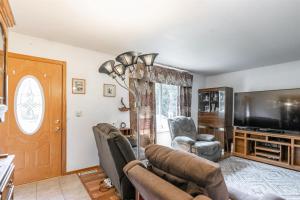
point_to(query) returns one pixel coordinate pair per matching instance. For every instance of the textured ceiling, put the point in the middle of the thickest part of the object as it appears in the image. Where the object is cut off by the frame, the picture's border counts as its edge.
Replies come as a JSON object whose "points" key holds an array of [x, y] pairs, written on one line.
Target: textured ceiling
{"points": [[206, 36]]}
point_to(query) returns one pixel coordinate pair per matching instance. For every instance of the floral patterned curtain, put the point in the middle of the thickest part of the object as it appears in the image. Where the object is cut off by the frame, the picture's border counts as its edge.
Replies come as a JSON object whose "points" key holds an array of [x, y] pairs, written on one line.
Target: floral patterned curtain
{"points": [[147, 111], [146, 89], [185, 101], [166, 76]]}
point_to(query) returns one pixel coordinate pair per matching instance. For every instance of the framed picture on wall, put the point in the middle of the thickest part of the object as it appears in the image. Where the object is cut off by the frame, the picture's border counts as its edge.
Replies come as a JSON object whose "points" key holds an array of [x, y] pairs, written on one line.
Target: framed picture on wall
{"points": [[109, 90], [78, 86]]}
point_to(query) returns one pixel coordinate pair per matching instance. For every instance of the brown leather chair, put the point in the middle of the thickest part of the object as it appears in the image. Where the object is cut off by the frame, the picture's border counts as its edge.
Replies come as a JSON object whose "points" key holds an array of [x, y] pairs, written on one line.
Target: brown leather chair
{"points": [[177, 175]]}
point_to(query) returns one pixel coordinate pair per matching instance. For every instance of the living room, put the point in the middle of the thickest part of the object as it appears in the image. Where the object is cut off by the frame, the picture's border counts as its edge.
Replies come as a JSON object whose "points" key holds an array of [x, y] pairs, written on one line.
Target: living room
{"points": [[229, 72]]}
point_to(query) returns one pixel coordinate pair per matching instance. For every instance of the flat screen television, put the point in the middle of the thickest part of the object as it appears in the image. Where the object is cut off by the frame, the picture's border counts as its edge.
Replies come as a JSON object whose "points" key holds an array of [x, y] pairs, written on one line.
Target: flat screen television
{"points": [[274, 109]]}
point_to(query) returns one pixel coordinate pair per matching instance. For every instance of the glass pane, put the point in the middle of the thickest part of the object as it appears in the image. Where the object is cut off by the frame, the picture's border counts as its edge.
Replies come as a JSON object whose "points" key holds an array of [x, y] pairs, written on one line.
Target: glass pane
{"points": [[29, 105], [222, 101], [214, 101], [204, 105], [166, 107]]}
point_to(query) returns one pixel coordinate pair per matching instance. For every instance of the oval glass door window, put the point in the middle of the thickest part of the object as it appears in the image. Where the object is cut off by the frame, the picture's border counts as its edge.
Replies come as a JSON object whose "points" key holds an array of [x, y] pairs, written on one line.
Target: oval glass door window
{"points": [[29, 105]]}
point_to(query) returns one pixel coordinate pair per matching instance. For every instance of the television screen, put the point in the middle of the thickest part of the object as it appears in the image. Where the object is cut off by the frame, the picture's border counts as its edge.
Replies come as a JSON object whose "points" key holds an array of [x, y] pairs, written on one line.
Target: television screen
{"points": [[275, 109]]}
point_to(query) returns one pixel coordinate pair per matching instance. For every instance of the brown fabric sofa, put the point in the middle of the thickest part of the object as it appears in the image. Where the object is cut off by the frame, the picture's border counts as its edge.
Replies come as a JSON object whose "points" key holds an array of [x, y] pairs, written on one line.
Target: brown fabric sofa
{"points": [[177, 175]]}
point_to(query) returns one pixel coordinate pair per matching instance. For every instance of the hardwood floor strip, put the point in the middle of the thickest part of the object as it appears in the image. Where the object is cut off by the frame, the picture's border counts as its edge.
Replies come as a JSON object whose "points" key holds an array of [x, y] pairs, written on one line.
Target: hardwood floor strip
{"points": [[91, 181]]}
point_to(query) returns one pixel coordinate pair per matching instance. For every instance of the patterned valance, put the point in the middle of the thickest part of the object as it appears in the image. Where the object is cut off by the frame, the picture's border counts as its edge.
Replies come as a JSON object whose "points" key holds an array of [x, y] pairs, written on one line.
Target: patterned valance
{"points": [[165, 76]]}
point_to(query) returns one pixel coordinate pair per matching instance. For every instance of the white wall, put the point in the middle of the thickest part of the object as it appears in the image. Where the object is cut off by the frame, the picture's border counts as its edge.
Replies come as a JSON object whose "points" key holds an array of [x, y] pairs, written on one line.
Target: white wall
{"points": [[81, 63], [281, 76]]}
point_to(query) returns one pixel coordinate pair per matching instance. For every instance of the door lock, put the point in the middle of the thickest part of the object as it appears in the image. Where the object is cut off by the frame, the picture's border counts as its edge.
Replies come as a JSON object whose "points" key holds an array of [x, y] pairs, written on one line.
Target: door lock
{"points": [[57, 129]]}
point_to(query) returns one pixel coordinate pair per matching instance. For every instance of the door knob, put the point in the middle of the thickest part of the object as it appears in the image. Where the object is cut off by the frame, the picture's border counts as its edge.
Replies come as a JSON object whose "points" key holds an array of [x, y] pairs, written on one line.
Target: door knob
{"points": [[57, 121]]}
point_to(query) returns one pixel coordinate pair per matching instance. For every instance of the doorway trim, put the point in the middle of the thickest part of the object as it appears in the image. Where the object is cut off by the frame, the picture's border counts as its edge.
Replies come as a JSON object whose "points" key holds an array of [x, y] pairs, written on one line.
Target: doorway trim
{"points": [[64, 102]]}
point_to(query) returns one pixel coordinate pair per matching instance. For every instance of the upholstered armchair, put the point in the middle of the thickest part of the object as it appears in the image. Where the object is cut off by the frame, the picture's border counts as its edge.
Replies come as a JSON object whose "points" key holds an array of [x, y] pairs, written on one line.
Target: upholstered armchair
{"points": [[185, 137]]}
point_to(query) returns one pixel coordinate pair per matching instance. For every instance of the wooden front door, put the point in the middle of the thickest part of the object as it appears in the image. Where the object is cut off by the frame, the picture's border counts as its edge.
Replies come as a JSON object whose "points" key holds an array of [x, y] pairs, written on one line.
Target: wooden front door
{"points": [[33, 127]]}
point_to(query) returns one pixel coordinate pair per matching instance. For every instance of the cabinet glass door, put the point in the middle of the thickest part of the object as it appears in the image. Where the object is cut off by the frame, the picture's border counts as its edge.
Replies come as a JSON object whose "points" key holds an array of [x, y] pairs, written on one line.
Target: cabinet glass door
{"points": [[204, 103], [222, 101]]}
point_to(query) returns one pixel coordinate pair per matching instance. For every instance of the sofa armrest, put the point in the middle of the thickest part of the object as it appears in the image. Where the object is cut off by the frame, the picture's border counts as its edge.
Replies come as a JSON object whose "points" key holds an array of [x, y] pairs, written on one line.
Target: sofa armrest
{"points": [[184, 139], [152, 187]]}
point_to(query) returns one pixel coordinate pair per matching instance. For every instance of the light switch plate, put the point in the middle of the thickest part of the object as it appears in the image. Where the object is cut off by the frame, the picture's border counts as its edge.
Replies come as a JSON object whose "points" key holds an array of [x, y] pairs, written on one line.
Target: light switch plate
{"points": [[78, 114]]}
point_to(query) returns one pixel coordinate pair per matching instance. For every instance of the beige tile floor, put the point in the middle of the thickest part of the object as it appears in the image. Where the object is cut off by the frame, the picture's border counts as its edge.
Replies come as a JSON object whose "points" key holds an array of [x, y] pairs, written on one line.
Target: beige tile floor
{"points": [[58, 188]]}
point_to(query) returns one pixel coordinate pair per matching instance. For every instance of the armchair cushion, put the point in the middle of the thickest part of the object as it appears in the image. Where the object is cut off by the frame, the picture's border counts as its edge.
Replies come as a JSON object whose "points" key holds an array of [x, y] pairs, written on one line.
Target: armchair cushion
{"points": [[205, 137], [209, 150], [182, 126]]}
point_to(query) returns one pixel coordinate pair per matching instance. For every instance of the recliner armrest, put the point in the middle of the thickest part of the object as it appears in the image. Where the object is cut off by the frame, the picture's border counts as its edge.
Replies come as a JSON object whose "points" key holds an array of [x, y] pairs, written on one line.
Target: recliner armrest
{"points": [[184, 139], [152, 187], [205, 137]]}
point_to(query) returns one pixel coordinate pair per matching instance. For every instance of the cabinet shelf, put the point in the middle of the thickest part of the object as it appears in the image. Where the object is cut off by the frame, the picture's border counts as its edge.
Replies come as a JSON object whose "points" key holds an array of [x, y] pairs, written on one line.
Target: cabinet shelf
{"points": [[267, 155], [270, 149]]}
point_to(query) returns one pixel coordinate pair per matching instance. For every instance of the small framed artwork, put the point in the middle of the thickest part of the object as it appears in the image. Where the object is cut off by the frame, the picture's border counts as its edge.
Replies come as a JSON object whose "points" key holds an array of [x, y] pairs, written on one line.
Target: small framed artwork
{"points": [[78, 86], [109, 90]]}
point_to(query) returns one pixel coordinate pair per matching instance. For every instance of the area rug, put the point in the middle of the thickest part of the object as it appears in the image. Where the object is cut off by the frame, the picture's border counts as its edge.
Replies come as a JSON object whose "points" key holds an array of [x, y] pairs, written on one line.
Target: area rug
{"points": [[258, 179], [91, 181]]}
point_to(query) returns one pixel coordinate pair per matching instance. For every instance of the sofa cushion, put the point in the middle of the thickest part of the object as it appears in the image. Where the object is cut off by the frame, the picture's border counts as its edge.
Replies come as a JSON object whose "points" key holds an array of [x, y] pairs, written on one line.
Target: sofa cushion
{"points": [[190, 167], [185, 185]]}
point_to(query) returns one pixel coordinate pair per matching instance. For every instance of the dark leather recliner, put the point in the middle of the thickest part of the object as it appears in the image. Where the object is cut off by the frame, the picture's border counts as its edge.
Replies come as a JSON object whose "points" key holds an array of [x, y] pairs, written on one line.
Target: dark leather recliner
{"points": [[115, 152]]}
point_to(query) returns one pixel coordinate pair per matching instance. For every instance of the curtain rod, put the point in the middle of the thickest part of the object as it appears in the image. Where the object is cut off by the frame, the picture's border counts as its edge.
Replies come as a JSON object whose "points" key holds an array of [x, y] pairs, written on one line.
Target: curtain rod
{"points": [[171, 67]]}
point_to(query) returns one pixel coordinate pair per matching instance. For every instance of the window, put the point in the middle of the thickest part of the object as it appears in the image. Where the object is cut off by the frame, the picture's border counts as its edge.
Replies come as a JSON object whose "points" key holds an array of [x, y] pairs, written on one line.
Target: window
{"points": [[29, 105], [166, 107]]}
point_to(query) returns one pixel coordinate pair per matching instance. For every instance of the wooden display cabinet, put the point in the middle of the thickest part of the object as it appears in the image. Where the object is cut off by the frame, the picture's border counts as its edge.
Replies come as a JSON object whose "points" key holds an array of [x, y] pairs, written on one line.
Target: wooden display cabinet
{"points": [[215, 114]]}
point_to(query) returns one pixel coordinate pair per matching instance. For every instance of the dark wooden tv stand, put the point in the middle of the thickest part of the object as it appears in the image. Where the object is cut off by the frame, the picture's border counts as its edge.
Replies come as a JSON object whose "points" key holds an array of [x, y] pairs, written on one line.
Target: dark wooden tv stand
{"points": [[272, 148]]}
